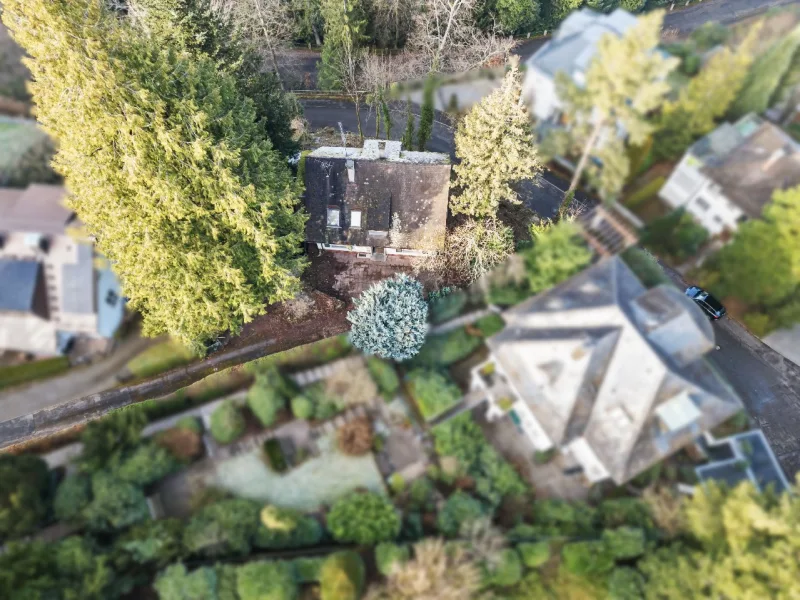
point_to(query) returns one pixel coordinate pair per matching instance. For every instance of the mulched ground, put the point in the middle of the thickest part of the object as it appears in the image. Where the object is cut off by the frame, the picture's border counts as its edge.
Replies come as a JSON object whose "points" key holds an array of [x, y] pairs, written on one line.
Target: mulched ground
{"points": [[312, 316]]}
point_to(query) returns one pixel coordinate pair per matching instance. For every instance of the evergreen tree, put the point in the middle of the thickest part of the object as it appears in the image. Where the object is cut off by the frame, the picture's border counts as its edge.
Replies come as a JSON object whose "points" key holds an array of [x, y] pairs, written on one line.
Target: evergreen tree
{"points": [[707, 97], [194, 26], [408, 134], [426, 114], [625, 82], [495, 144], [344, 32], [766, 74], [167, 168]]}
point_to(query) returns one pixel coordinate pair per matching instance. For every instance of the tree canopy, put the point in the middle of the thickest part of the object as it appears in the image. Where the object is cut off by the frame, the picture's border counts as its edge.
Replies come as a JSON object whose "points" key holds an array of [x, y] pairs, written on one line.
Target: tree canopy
{"points": [[166, 166], [495, 144]]}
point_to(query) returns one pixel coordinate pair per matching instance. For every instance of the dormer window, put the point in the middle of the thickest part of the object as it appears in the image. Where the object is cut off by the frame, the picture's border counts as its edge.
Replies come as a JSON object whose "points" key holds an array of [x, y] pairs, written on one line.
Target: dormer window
{"points": [[333, 217]]}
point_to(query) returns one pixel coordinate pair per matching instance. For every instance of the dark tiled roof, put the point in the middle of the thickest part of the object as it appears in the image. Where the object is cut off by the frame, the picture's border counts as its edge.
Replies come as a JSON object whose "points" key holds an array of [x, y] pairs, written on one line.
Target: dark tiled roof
{"points": [[412, 193], [18, 280], [750, 171]]}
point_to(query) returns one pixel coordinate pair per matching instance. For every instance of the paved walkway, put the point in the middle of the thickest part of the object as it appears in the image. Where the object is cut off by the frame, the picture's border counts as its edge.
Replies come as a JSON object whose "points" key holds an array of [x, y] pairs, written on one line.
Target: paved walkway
{"points": [[76, 383], [463, 320], [316, 374]]}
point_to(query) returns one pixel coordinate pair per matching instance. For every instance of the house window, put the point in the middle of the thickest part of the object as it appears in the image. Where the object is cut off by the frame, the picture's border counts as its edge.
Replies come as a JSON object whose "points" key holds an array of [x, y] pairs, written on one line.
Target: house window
{"points": [[333, 217], [355, 218], [702, 203], [111, 298]]}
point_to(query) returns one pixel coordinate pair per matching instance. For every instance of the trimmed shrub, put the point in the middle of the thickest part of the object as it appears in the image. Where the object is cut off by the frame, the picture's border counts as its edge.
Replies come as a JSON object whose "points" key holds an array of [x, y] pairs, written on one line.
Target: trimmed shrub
{"points": [[624, 542], [434, 392], [446, 305], [144, 465], [265, 402], [307, 531], [227, 423], [387, 555], [587, 559], [460, 508], [363, 518], [223, 528], [341, 577], [489, 325], [307, 570], [274, 454], [645, 266], [448, 348], [190, 423], [626, 584], [507, 571], [645, 192], [389, 319], [302, 407], [115, 504], [72, 496], [384, 375], [266, 580], [534, 554]]}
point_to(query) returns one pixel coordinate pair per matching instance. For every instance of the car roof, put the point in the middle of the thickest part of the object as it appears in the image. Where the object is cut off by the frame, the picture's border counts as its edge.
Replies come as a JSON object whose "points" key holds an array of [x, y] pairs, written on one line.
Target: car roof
{"points": [[713, 302]]}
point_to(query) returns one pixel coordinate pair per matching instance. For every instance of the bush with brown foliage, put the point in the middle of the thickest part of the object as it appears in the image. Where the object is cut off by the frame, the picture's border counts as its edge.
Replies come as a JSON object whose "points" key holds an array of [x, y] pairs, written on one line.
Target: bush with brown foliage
{"points": [[355, 437], [184, 444], [439, 571]]}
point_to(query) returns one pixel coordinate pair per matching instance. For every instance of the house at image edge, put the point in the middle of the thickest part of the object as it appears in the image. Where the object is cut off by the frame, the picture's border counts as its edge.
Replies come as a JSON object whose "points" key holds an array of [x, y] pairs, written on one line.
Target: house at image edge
{"points": [[610, 373], [570, 51], [377, 200], [729, 175], [52, 288]]}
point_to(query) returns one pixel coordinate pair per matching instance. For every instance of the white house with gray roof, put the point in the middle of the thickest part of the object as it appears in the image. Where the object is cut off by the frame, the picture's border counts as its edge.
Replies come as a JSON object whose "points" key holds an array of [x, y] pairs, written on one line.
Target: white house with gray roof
{"points": [[730, 174], [53, 288], [570, 51], [610, 373]]}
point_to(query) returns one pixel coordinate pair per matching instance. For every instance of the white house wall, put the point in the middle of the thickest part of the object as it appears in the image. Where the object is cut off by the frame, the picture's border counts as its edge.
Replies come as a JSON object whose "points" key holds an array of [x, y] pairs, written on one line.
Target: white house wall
{"points": [[531, 427], [540, 92], [702, 198]]}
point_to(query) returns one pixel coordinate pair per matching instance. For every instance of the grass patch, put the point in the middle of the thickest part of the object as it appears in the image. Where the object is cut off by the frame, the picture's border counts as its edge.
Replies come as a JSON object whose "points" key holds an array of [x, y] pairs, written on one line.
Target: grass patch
{"points": [[159, 358], [434, 392], [384, 375], [489, 325], [445, 349], [645, 192], [32, 371]]}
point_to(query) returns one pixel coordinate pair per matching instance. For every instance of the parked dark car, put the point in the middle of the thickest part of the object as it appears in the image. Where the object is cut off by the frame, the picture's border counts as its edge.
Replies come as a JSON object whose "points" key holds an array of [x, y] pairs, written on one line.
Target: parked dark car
{"points": [[712, 307]]}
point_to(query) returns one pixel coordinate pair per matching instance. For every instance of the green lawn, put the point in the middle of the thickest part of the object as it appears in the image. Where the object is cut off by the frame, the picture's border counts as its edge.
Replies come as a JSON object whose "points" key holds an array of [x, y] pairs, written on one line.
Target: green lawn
{"points": [[159, 358], [32, 371], [318, 481], [433, 391]]}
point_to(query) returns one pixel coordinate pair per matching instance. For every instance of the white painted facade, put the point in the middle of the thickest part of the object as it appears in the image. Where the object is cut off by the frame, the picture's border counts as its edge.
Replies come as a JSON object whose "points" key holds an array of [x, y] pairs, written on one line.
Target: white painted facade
{"points": [[688, 187], [539, 91]]}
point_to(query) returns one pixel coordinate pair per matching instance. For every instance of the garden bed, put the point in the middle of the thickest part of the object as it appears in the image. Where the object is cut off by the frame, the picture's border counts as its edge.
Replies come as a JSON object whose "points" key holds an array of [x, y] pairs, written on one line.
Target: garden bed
{"points": [[317, 482]]}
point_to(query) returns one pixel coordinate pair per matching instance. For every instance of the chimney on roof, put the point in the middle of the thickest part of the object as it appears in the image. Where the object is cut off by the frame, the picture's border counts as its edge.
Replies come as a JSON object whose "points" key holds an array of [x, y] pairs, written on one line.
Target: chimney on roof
{"points": [[393, 149], [372, 149]]}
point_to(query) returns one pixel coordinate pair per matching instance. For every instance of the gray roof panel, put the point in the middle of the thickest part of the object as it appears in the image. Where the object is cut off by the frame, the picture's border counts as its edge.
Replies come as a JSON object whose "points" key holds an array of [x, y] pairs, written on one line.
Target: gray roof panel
{"points": [[18, 284]]}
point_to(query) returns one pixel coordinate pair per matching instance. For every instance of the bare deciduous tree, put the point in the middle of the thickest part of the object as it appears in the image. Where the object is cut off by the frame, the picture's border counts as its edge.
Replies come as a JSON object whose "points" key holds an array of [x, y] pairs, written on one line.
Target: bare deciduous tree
{"points": [[392, 21], [446, 35], [377, 74], [267, 24]]}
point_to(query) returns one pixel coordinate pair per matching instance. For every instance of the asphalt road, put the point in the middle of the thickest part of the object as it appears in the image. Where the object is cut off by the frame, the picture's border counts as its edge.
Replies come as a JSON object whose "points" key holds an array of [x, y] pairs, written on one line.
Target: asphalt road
{"points": [[767, 383]]}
